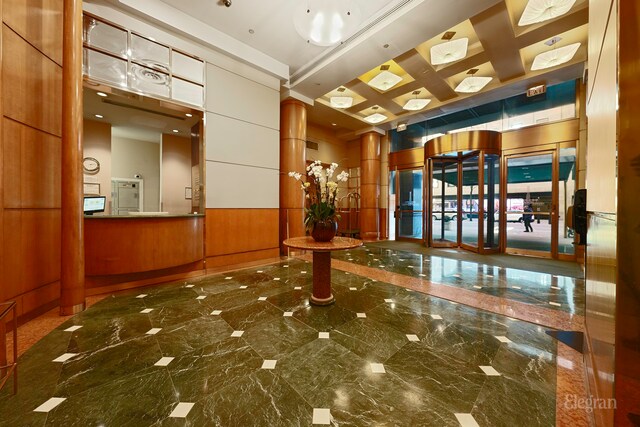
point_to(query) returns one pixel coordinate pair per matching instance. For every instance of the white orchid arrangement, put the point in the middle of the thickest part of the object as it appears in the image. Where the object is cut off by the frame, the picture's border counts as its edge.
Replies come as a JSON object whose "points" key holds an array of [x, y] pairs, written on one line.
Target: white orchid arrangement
{"points": [[320, 192]]}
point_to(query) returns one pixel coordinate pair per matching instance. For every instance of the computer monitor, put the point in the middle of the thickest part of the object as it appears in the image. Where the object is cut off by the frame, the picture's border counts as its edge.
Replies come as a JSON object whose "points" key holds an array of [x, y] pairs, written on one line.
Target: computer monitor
{"points": [[94, 204]]}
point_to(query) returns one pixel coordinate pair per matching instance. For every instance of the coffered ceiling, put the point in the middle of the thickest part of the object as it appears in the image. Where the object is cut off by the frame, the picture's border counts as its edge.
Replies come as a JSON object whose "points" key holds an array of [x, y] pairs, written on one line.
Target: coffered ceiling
{"points": [[395, 36]]}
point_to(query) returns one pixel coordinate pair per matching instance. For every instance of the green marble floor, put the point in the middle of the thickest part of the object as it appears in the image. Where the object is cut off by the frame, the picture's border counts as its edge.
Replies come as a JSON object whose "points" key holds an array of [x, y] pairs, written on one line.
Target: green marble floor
{"points": [[247, 349], [556, 292]]}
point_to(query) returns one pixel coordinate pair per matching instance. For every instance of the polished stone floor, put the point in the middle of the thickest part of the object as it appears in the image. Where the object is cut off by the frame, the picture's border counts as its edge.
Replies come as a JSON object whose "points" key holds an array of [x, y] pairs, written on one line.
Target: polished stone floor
{"points": [[546, 290], [247, 349]]}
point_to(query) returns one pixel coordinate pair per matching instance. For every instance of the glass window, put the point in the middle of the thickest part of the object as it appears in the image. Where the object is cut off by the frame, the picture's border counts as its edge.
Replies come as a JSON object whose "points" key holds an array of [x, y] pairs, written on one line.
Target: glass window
{"points": [[567, 188]]}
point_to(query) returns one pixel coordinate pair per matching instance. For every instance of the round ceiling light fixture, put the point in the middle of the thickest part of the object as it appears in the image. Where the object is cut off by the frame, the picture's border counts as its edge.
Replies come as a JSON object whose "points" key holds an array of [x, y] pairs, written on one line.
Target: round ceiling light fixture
{"points": [[326, 22]]}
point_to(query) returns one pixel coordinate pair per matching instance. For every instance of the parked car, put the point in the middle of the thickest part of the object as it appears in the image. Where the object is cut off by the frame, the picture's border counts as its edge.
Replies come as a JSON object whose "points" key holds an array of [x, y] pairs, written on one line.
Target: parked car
{"points": [[512, 216]]}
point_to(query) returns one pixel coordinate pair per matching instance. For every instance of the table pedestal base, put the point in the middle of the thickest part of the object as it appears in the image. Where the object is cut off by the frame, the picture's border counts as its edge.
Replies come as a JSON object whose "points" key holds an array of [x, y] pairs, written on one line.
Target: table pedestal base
{"points": [[322, 279]]}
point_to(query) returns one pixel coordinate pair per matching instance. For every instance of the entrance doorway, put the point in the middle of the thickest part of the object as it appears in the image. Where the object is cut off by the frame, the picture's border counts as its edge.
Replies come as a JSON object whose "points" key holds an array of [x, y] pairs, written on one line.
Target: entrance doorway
{"points": [[464, 202], [409, 207]]}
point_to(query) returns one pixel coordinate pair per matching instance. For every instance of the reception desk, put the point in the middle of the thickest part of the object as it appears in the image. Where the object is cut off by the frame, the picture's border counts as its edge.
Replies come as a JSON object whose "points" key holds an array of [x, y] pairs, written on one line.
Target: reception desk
{"points": [[128, 251]]}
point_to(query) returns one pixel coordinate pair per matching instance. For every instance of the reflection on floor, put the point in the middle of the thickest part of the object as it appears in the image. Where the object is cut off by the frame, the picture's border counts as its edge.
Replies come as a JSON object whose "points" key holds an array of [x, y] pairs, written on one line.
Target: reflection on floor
{"points": [[552, 291]]}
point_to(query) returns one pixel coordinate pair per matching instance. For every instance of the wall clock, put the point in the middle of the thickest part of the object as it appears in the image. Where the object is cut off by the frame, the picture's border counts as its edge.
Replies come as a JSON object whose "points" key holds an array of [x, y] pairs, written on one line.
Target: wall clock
{"points": [[90, 165]]}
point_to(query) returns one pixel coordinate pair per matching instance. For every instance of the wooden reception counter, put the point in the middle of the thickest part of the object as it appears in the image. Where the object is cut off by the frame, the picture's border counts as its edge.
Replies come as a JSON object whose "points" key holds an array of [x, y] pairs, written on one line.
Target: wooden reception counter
{"points": [[127, 251]]}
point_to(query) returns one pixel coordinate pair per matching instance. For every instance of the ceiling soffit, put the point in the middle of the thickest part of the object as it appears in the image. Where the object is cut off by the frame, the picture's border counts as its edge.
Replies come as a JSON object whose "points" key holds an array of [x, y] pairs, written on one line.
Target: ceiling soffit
{"points": [[495, 32]]}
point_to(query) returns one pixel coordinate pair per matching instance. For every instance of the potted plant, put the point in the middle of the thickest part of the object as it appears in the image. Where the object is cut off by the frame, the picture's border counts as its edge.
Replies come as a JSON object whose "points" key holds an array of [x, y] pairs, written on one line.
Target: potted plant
{"points": [[321, 218]]}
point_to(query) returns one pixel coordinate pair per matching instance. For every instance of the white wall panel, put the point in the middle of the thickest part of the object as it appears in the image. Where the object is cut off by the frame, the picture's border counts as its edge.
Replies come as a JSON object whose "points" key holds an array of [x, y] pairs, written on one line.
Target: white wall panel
{"points": [[231, 95], [234, 141], [234, 186]]}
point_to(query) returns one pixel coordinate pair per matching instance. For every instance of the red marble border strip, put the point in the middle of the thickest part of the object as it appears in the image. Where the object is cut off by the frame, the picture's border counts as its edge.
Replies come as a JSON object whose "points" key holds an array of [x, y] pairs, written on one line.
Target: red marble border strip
{"points": [[571, 391], [503, 306]]}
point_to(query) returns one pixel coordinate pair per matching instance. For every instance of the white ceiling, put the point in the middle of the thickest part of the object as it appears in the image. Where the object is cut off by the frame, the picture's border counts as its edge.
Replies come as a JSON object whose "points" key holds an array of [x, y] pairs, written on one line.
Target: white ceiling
{"points": [[272, 23]]}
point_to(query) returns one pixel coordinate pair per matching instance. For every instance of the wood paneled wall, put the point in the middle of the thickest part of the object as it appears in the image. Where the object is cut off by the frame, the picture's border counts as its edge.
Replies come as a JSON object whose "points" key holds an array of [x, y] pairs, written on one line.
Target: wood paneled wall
{"points": [[30, 94], [234, 236]]}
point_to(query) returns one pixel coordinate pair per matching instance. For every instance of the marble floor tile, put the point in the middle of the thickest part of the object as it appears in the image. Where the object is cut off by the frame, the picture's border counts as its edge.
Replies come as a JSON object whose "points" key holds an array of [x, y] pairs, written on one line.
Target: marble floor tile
{"points": [[249, 315], [261, 398], [324, 318], [213, 367], [369, 339], [277, 337], [128, 401], [89, 370], [189, 336]]}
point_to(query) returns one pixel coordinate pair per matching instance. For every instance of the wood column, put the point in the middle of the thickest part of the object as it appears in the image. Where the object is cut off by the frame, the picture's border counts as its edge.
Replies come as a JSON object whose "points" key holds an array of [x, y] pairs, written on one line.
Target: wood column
{"points": [[293, 136], [72, 296], [369, 185]]}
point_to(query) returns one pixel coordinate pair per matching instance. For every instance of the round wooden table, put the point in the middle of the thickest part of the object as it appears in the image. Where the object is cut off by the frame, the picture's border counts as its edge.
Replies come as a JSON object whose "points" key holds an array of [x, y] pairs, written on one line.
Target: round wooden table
{"points": [[321, 294]]}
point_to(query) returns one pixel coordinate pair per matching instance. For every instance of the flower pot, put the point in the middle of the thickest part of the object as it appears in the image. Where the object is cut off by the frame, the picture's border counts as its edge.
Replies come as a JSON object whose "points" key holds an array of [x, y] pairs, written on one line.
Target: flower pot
{"points": [[324, 231]]}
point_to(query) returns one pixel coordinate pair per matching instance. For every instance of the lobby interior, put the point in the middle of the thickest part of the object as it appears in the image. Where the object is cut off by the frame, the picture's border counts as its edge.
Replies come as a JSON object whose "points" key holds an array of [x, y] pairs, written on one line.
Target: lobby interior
{"points": [[176, 302]]}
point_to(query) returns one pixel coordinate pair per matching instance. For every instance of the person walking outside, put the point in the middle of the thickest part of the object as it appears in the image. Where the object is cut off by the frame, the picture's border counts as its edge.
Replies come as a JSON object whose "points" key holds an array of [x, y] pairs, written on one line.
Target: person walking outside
{"points": [[528, 218]]}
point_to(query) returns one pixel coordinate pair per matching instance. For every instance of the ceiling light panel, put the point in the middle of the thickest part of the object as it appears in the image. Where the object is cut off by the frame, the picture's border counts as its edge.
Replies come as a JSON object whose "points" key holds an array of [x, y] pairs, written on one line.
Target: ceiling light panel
{"points": [[416, 104], [341, 101], [384, 81], [543, 10], [473, 84], [452, 51], [375, 118], [554, 57]]}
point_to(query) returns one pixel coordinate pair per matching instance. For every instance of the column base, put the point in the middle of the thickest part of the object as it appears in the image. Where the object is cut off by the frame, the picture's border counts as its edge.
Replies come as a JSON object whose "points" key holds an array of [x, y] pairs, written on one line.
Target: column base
{"points": [[322, 301], [74, 309]]}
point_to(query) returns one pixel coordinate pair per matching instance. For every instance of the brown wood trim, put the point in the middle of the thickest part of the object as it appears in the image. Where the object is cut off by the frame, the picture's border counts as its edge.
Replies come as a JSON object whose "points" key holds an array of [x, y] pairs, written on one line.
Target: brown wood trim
{"points": [[242, 257], [487, 140], [406, 159], [109, 284], [116, 246], [244, 265], [231, 231], [566, 130]]}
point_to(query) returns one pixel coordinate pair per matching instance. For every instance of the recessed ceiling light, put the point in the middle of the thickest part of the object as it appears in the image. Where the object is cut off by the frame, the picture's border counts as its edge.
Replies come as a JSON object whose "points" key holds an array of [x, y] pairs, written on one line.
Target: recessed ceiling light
{"points": [[101, 94], [376, 118], [188, 114], [251, 31], [341, 101], [99, 116], [176, 131], [554, 57], [452, 51], [473, 84], [543, 10], [385, 80], [416, 104]]}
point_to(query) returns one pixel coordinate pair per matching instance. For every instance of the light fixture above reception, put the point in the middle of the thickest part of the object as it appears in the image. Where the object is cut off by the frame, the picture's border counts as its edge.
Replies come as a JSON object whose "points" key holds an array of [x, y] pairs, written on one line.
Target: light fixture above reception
{"points": [[451, 51], [473, 84], [341, 101], [554, 57], [375, 118], [543, 10]]}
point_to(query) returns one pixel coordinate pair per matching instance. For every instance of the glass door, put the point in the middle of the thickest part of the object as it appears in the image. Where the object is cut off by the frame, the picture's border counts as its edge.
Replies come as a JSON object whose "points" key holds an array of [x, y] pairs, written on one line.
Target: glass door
{"points": [[444, 202], [472, 217], [409, 208], [529, 211]]}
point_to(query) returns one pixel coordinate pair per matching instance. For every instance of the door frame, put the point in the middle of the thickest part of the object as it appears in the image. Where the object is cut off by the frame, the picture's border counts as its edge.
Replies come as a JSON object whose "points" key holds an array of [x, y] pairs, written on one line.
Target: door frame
{"points": [[553, 213], [397, 210]]}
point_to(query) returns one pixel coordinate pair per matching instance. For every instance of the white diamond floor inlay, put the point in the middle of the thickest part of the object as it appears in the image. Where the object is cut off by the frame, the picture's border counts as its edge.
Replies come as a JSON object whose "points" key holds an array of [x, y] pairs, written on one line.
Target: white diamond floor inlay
{"points": [[181, 410], [65, 357], [288, 313], [237, 334], [502, 338], [147, 311], [321, 416], [388, 300], [466, 420], [490, 371], [73, 328], [353, 289], [436, 317], [323, 335], [228, 278], [164, 361], [297, 288], [201, 297], [153, 331], [361, 315], [269, 364], [378, 368], [216, 312], [262, 299], [50, 404], [141, 296], [243, 287], [555, 304], [412, 337]]}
